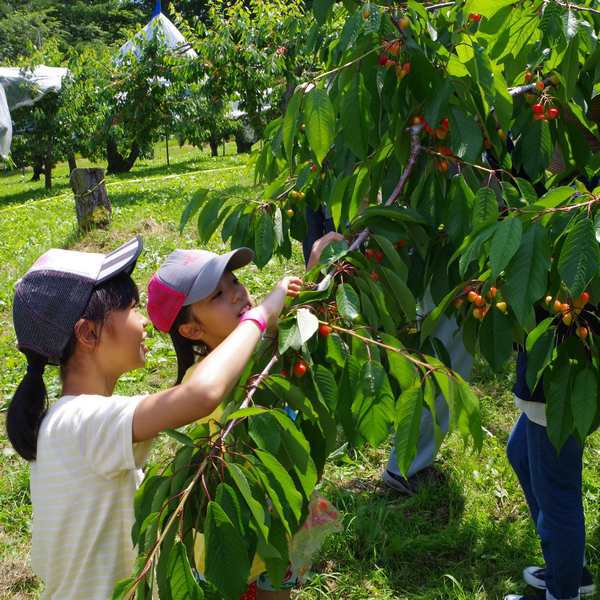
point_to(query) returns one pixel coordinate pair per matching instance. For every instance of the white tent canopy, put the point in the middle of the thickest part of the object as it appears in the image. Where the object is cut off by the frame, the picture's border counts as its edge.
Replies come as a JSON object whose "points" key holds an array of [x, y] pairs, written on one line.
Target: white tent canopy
{"points": [[24, 87], [161, 26]]}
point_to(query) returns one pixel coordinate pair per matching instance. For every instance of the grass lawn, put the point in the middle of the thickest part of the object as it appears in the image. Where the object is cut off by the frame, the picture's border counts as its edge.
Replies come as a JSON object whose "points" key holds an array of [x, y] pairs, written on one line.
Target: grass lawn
{"points": [[465, 534]]}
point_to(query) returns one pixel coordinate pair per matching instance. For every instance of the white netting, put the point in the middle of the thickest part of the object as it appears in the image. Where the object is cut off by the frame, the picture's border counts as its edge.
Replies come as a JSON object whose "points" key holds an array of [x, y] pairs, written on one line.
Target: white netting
{"points": [[5, 126], [23, 87]]}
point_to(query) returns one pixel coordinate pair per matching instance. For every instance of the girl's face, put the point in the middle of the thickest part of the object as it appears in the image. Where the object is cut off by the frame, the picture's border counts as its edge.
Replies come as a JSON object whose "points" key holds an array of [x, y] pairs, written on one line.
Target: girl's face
{"points": [[215, 317], [122, 346]]}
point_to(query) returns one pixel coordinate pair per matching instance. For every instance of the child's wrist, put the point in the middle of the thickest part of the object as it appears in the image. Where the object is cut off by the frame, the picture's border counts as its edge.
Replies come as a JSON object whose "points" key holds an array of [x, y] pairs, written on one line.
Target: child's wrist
{"points": [[257, 316]]}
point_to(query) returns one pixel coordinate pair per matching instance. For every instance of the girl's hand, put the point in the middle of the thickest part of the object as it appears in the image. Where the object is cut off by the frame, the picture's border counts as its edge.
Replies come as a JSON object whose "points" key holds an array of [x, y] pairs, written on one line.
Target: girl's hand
{"points": [[272, 305], [320, 245]]}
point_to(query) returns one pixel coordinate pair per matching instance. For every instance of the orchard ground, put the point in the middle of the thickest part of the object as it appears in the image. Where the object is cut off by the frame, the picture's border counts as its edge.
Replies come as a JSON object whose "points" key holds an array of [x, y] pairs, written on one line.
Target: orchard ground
{"points": [[465, 533]]}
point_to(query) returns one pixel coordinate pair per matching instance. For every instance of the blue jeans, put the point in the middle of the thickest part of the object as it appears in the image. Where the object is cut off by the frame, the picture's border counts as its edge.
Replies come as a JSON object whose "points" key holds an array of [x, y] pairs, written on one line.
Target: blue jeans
{"points": [[552, 486]]}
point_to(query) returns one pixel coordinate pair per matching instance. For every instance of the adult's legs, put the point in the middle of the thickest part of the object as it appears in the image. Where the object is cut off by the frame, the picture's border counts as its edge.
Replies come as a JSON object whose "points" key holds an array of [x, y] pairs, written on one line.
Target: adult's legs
{"points": [[518, 456], [450, 335], [556, 480]]}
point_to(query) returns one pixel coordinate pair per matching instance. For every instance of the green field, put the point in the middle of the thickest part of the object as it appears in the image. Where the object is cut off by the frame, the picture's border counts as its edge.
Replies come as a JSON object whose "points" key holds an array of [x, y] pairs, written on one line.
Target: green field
{"points": [[464, 534]]}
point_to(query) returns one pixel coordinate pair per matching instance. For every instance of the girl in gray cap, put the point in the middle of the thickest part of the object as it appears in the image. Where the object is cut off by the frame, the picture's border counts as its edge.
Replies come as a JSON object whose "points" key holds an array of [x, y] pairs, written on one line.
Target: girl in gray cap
{"points": [[79, 310]]}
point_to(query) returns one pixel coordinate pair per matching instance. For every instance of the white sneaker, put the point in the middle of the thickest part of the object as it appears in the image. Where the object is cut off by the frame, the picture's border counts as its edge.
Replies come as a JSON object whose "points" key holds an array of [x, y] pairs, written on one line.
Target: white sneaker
{"points": [[536, 578]]}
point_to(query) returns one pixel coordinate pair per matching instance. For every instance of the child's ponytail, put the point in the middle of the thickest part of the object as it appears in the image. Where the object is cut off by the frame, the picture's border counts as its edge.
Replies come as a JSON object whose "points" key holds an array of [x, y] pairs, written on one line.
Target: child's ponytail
{"points": [[28, 407]]}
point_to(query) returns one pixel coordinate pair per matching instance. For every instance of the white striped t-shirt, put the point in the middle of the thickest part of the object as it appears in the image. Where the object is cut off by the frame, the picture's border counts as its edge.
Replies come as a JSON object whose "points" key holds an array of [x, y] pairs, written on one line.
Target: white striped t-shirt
{"points": [[82, 487]]}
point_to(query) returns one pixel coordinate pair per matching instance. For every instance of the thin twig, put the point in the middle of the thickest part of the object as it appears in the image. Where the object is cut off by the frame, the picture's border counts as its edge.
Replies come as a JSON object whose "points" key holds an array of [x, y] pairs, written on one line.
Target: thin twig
{"points": [[571, 6]]}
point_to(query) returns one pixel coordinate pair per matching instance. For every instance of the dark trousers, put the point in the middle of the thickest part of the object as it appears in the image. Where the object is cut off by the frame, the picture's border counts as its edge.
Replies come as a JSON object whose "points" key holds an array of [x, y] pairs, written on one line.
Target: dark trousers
{"points": [[552, 484]]}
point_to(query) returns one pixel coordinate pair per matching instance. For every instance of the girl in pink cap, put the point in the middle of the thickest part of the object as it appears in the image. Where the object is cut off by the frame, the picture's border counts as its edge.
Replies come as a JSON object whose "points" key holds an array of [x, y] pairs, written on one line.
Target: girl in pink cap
{"points": [[196, 298]]}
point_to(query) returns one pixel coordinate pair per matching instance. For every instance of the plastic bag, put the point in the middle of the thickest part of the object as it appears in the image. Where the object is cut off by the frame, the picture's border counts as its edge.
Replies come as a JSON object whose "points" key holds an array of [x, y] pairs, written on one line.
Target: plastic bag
{"points": [[323, 520]]}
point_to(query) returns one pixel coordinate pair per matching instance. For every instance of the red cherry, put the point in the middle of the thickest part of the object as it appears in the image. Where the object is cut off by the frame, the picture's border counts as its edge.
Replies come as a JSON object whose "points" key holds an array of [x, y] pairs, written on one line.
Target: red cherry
{"points": [[383, 59], [584, 298], [538, 109], [539, 117], [313, 168], [324, 330], [539, 85], [528, 76], [419, 120], [300, 368], [379, 255], [284, 373], [445, 123], [370, 253], [400, 244], [374, 276], [553, 113], [476, 17], [406, 67]]}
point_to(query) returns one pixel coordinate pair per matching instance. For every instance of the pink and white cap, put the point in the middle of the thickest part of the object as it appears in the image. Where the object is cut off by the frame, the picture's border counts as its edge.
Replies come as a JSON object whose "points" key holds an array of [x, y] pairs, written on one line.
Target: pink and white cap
{"points": [[188, 276]]}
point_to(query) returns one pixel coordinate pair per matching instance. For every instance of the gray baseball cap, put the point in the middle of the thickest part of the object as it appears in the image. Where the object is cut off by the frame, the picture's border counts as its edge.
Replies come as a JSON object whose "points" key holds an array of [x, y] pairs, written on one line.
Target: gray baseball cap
{"points": [[188, 276], [51, 297]]}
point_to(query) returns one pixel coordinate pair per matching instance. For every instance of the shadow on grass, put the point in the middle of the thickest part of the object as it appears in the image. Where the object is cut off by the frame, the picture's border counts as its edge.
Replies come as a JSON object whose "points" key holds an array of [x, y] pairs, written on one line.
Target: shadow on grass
{"points": [[31, 194], [416, 541]]}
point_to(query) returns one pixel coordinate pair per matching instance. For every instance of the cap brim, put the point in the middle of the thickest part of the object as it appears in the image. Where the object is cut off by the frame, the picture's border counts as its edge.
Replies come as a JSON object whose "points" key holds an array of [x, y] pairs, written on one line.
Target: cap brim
{"points": [[208, 280], [121, 260]]}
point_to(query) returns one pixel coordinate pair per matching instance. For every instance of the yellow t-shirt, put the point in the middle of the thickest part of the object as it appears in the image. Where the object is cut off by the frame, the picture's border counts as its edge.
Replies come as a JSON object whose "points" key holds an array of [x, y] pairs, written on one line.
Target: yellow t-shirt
{"points": [[258, 565]]}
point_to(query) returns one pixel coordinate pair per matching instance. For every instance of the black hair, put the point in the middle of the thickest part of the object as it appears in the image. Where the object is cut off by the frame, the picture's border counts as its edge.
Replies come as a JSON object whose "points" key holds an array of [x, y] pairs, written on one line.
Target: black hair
{"points": [[30, 401], [186, 350]]}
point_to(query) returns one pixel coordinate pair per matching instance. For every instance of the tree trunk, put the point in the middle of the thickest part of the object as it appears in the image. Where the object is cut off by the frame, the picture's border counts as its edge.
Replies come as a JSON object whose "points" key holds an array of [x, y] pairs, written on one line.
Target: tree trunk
{"points": [[91, 199], [117, 163], [38, 169], [72, 163], [214, 146], [48, 173]]}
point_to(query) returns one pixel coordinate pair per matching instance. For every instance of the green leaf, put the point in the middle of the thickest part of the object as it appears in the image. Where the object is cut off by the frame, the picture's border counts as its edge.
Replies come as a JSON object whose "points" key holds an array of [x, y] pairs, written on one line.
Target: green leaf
{"points": [[180, 437], [400, 368], [557, 390], [373, 404], [327, 385], [505, 243], [579, 257], [319, 117], [263, 240], [256, 507], [539, 354], [584, 401], [225, 547], [392, 255], [192, 208], [408, 419], [536, 149], [526, 275], [485, 208], [347, 301], [298, 451], [283, 482], [336, 351], [470, 249], [208, 218], [321, 9], [496, 339], [288, 393], [289, 128], [486, 8], [468, 144], [354, 115], [402, 294]]}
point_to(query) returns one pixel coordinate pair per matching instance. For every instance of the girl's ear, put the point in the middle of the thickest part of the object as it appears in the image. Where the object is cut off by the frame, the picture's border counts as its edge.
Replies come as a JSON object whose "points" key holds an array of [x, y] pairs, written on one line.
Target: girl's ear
{"points": [[192, 330], [87, 333]]}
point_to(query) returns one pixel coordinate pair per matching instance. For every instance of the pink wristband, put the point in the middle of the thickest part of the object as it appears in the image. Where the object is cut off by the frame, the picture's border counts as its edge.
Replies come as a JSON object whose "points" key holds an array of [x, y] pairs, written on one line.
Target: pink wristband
{"points": [[256, 316]]}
